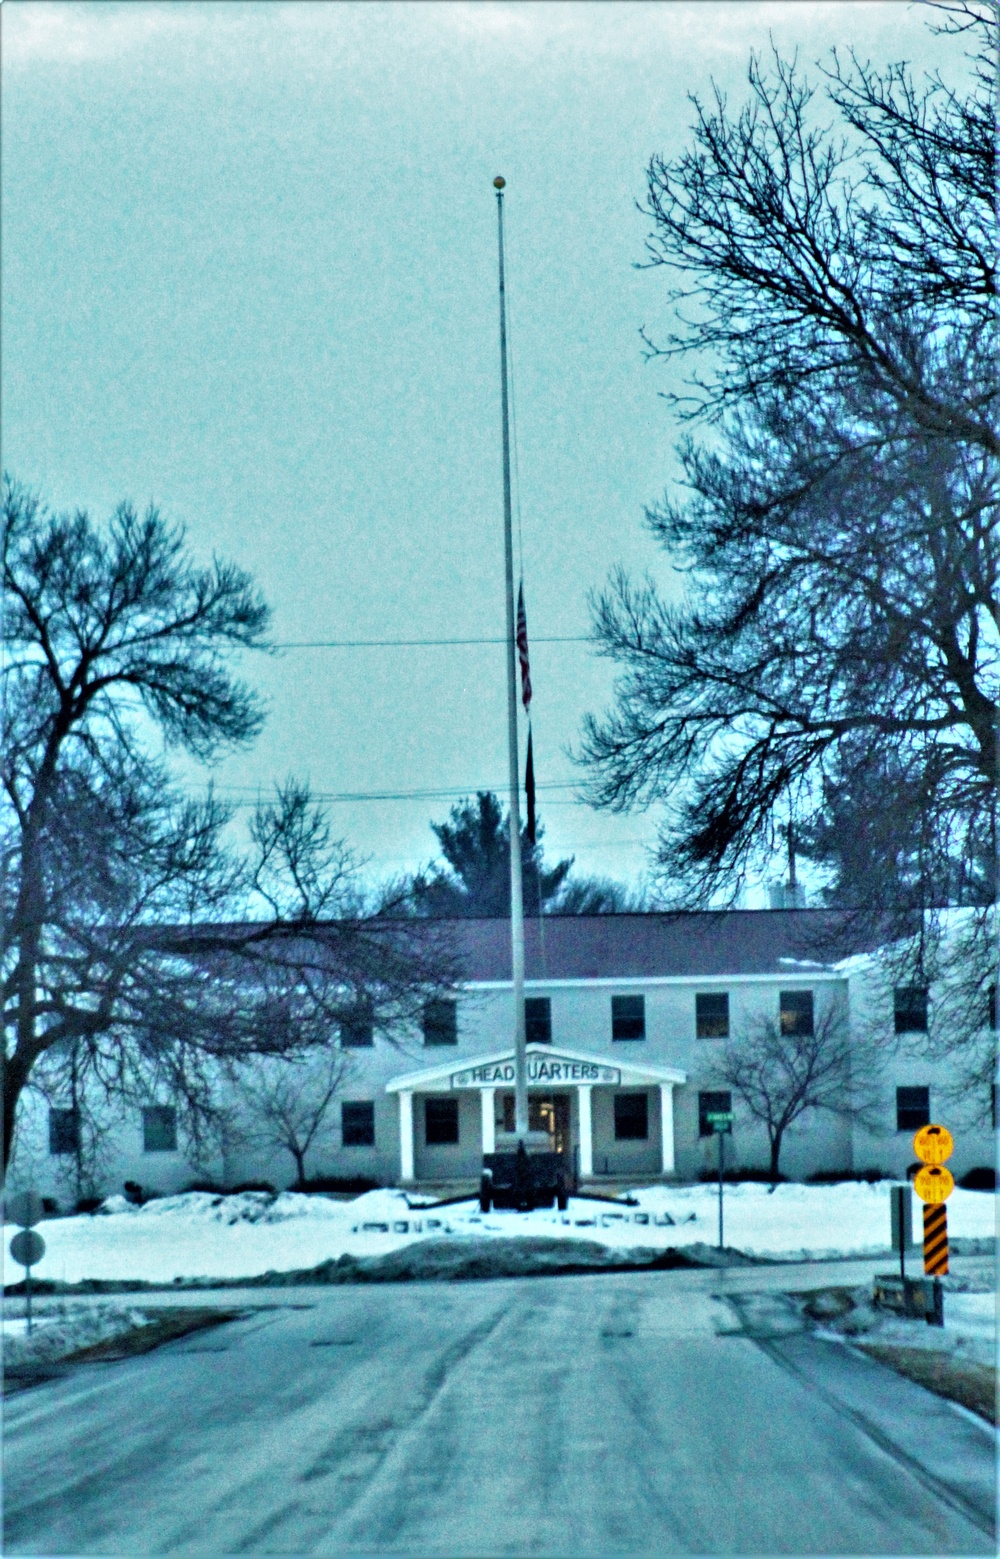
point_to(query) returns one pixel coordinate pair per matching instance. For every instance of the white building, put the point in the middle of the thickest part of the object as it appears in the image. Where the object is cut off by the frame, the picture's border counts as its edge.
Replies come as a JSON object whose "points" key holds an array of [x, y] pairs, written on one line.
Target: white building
{"points": [[627, 1017]]}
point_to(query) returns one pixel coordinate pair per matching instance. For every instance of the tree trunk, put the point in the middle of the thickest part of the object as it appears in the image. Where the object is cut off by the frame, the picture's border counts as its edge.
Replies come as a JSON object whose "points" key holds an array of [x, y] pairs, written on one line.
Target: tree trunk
{"points": [[15, 1075], [775, 1154], [300, 1163]]}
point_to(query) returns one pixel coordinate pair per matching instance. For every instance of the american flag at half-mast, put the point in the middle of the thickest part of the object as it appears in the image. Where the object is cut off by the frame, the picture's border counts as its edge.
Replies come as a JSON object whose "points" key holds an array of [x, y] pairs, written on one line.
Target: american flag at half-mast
{"points": [[522, 647], [529, 791]]}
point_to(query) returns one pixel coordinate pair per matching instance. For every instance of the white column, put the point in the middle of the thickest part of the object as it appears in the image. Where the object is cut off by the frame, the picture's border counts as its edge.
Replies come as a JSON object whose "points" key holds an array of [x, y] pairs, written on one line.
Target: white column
{"points": [[583, 1093], [486, 1096], [667, 1127], [406, 1135]]}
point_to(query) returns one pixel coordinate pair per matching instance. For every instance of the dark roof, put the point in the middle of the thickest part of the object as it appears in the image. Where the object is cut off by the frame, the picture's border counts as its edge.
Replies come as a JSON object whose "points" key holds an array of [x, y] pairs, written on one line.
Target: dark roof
{"points": [[701, 943]]}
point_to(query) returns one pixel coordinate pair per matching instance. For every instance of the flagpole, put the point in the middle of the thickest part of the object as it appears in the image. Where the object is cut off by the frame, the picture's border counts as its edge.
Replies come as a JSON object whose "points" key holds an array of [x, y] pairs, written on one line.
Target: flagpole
{"points": [[516, 887]]}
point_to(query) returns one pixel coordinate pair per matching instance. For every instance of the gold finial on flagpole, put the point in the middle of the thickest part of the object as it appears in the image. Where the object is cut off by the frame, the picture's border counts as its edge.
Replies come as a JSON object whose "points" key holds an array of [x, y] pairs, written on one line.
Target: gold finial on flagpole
{"points": [[498, 182]]}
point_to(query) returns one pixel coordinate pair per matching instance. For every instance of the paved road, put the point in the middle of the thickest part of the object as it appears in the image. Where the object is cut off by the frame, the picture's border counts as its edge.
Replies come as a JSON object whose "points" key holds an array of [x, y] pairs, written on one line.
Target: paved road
{"points": [[614, 1413]]}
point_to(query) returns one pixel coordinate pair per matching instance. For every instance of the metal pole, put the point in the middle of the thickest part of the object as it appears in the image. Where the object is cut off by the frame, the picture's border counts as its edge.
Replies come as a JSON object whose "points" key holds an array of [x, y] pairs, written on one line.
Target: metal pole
{"points": [[27, 1295], [722, 1160], [516, 889]]}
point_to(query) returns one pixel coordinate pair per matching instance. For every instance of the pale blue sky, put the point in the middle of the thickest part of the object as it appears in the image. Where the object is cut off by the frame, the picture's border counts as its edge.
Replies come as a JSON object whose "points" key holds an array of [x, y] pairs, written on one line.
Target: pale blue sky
{"points": [[250, 273]]}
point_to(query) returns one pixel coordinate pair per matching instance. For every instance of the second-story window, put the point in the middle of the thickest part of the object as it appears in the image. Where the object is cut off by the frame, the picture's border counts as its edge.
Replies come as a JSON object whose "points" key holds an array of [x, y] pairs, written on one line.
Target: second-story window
{"points": [[628, 1017], [441, 1022], [909, 1009], [357, 1030], [711, 1011], [796, 1012], [538, 1020]]}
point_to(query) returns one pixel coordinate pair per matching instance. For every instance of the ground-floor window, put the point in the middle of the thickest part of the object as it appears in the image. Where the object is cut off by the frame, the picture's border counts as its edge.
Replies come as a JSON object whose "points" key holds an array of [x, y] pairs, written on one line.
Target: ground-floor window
{"points": [[631, 1117], [913, 1108], [357, 1123], [440, 1121], [159, 1129], [717, 1102], [64, 1131]]}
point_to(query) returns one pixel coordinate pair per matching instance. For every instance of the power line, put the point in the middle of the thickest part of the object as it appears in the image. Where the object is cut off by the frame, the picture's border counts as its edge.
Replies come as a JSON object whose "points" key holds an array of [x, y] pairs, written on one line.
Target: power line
{"points": [[369, 644], [440, 794]]}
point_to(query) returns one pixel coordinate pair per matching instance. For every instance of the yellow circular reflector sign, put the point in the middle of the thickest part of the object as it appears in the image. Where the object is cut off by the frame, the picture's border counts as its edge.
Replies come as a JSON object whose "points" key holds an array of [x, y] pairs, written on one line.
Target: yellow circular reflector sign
{"points": [[934, 1183], [933, 1144]]}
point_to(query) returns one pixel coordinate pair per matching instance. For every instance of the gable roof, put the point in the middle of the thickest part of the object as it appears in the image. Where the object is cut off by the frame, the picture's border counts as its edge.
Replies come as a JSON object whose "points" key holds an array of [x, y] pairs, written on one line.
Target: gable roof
{"points": [[709, 944]]}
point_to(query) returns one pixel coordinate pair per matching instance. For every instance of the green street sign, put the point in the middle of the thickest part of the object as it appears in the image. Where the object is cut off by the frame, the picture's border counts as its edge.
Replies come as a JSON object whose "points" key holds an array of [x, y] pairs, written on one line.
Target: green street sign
{"points": [[719, 1122]]}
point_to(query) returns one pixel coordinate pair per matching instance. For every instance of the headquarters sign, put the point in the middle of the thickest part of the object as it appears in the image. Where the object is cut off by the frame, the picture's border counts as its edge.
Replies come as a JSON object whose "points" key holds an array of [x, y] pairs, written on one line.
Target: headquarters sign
{"points": [[541, 1070]]}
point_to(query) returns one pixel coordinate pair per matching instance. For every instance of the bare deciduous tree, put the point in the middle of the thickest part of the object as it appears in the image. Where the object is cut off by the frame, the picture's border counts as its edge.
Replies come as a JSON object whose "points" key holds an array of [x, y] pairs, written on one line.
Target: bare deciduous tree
{"points": [[134, 935], [286, 1103], [781, 1073]]}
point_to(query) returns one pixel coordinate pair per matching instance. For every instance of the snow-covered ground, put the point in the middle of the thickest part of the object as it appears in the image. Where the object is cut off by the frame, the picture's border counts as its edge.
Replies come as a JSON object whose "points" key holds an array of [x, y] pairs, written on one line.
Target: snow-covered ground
{"points": [[66, 1328], [199, 1235]]}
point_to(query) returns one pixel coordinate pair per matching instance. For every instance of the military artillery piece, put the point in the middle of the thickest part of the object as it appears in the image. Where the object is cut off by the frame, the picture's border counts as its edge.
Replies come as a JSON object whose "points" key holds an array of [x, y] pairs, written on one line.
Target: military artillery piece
{"points": [[523, 1181]]}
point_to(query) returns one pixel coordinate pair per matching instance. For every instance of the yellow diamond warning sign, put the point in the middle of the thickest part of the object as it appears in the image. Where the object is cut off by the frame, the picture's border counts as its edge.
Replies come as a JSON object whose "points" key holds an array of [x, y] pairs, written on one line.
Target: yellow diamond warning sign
{"points": [[934, 1183], [933, 1144]]}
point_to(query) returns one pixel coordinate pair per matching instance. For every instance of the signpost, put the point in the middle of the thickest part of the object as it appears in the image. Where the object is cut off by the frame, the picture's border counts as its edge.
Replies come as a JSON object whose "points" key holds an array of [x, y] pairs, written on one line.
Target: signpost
{"points": [[721, 1122], [902, 1223], [27, 1247], [934, 1184]]}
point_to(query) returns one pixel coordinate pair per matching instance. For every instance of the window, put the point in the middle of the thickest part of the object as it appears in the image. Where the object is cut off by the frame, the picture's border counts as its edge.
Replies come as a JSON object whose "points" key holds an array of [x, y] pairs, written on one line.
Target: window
{"points": [[441, 1022], [796, 1012], [440, 1120], [64, 1131], [631, 1116], [538, 1020], [718, 1103], [357, 1123], [159, 1129], [910, 1009], [628, 1017], [711, 1012], [913, 1108], [357, 1030]]}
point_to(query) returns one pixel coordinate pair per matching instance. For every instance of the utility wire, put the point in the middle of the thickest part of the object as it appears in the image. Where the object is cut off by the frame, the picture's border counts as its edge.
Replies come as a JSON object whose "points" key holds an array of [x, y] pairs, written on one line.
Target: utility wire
{"points": [[358, 644]]}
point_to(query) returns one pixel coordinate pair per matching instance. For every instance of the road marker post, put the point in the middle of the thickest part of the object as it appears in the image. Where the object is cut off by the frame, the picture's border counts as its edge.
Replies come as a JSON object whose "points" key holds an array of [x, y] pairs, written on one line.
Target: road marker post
{"points": [[27, 1247], [721, 1122], [901, 1223], [934, 1184]]}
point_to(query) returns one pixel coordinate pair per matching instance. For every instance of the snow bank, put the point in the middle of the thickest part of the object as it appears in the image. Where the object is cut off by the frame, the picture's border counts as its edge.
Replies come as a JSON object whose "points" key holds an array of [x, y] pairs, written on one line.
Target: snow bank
{"points": [[67, 1330], [200, 1235]]}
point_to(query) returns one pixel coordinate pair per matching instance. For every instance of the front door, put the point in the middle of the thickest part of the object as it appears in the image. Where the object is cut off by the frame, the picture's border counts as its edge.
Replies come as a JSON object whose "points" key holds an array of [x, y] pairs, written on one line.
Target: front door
{"points": [[546, 1112]]}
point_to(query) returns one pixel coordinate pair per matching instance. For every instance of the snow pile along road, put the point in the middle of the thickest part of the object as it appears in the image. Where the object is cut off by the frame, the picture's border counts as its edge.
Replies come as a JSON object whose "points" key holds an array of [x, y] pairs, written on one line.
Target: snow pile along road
{"points": [[66, 1330], [199, 1235]]}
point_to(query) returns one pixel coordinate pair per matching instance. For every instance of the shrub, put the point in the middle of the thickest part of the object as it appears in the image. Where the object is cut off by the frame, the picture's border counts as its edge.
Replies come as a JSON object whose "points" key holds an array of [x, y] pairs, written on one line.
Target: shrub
{"points": [[252, 1185], [837, 1176], [979, 1179], [88, 1204], [744, 1172], [353, 1184]]}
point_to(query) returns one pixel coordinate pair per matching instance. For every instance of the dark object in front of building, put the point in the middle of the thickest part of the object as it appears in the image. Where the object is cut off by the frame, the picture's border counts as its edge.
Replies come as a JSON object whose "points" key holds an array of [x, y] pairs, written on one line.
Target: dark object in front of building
{"points": [[523, 1181]]}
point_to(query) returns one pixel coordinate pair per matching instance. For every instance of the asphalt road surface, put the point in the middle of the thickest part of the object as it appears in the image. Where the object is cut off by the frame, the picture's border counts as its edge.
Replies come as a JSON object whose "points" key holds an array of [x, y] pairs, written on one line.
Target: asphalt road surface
{"points": [[613, 1413]]}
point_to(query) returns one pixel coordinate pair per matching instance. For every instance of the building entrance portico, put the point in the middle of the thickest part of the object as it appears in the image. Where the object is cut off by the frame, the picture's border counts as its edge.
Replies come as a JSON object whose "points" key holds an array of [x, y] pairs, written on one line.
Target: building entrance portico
{"points": [[548, 1112], [562, 1084]]}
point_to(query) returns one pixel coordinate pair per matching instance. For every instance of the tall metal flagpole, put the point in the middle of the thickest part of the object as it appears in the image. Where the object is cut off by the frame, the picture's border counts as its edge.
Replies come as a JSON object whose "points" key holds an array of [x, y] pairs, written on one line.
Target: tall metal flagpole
{"points": [[516, 889]]}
